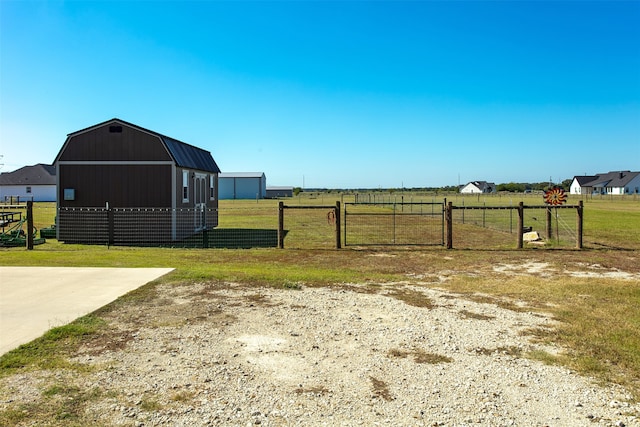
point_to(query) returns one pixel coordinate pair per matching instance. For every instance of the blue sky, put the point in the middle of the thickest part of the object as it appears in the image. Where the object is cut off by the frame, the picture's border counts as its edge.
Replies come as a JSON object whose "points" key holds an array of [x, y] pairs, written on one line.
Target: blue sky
{"points": [[353, 94]]}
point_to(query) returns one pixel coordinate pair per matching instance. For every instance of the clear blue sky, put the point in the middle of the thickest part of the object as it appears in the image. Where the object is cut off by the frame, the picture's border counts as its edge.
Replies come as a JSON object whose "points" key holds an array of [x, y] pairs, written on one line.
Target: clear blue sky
{"points": [[338, 94]]}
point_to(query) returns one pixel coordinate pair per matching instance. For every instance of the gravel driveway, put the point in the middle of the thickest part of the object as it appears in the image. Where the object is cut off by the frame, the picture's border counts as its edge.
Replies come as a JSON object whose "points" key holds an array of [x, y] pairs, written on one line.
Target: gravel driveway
{"points": [[226, 354]]}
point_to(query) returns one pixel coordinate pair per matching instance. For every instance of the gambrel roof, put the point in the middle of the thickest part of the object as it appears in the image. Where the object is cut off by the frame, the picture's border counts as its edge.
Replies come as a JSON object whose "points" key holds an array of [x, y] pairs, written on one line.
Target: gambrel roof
{"points": [[184, 155], [39, 174]]}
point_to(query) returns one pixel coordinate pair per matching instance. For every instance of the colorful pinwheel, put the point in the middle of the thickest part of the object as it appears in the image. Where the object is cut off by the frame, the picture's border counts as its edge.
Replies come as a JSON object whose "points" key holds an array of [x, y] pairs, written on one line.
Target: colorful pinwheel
{"points": [[555, 196]]}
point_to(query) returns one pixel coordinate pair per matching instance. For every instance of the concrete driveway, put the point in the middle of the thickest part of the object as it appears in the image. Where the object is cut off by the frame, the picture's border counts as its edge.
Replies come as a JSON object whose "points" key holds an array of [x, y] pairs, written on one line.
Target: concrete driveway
{"points": [[36, 299]]}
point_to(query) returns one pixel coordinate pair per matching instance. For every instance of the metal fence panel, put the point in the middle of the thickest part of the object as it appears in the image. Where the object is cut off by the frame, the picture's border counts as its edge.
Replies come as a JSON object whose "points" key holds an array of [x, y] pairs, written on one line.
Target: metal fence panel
{"points": [[193, 227], [309, 228], [393, 224], [83, 225], [491, 227]]}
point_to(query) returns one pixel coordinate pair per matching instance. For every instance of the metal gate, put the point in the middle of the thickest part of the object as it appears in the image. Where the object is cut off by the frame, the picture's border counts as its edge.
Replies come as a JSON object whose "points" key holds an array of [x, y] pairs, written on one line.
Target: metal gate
{"points": [[394, 224]]}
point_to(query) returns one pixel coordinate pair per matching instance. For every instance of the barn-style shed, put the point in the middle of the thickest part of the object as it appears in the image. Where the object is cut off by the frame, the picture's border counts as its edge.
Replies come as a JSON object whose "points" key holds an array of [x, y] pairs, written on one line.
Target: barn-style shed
{"points": [[150, 187]]}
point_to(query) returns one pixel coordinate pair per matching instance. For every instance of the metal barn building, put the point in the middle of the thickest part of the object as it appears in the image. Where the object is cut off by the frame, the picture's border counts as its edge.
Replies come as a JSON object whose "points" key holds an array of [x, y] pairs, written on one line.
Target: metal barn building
{"points": [[148, 185], [242, 185], [276, 192]]}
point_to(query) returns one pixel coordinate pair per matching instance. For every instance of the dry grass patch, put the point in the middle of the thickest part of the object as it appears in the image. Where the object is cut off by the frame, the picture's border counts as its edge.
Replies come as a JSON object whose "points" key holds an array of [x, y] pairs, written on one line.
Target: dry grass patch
{"points": [[411, 297], [509, 351], [317, 390], [420, 356], [471, 315], [381, 389], [183, 396]]}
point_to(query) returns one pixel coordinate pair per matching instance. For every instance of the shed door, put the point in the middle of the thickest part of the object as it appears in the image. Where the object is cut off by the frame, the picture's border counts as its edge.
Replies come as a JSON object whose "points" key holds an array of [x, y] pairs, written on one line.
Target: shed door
{"points": [[200, 201]]}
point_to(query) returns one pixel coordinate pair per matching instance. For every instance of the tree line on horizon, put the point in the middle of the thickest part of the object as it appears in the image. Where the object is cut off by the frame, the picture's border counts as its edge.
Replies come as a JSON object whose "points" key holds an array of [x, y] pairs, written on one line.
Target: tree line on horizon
{"points": [[511, 187]]}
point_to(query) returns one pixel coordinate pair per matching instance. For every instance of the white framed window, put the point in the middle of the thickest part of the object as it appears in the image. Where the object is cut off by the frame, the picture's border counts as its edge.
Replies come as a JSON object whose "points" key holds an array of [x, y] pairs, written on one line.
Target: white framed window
{"points": [[212, 188], [185, 185]]}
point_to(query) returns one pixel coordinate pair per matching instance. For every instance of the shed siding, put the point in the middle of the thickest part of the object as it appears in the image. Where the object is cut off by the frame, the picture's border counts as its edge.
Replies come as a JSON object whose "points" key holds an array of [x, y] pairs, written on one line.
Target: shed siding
{"points": [[120, 185], [100, 144]]}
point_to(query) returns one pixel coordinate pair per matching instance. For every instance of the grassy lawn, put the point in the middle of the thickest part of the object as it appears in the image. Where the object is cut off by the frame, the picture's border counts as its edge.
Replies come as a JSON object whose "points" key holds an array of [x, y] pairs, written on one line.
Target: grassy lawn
{"points": [[598, 315]]}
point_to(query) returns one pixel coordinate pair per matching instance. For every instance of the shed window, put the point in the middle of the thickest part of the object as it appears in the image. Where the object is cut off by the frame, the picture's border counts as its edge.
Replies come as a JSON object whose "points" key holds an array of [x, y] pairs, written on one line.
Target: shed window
{"points": [[185, 186], [115, 129], [28, 190], [212, 190]]}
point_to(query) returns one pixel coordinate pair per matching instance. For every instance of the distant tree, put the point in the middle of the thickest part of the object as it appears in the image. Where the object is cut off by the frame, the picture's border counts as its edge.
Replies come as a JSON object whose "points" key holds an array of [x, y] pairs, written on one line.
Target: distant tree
{"points": [[297, 190], [450, 189], [512, 187], [540, 186]]}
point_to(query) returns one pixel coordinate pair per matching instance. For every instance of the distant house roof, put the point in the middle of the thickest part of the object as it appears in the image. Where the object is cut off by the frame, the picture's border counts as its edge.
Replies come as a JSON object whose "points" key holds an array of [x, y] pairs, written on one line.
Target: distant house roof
{"points": [[584, 179], [39, 174], [241, 174], [183, 154], [483, 185], [611, 179]]}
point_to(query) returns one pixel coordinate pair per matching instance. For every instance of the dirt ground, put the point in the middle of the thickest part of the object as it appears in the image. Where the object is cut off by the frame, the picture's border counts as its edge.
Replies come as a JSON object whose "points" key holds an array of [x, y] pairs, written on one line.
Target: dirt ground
{"points": [[219, 353]]}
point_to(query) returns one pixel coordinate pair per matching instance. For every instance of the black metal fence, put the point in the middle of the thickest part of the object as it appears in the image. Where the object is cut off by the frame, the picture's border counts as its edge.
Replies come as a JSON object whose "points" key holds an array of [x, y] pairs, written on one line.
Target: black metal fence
{"points": [[133, 226]]}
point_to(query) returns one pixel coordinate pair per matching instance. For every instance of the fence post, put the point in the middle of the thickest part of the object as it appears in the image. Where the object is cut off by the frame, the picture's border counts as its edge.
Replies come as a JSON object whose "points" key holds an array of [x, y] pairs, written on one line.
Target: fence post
{"points": [[549, 224], [205, 238], [449, 224], [110, 225], [580, 219], [484, 215], [394, 222], [520, 224], [280, 225], [29, 225], [337, 215]]}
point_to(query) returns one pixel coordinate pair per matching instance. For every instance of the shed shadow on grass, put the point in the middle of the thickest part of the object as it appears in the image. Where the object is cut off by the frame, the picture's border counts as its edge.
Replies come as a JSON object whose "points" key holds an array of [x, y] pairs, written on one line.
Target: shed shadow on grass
{"points": [[236, 238]]}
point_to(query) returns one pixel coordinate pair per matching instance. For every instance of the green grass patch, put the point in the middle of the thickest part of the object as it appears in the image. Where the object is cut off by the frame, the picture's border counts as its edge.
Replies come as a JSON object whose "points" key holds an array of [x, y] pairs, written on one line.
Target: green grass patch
{"points": [[51, 351]]}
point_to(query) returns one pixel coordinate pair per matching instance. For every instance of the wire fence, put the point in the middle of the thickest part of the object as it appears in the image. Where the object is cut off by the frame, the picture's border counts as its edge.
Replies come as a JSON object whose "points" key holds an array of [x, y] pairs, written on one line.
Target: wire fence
{"points": [[491, 227], [309, 227], [393, 224], [255, 225]]}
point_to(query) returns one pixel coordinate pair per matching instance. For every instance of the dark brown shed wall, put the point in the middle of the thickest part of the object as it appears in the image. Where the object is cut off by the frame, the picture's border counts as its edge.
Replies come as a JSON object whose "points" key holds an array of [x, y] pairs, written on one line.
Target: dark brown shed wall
{"points": [[100, 144], [120, 185]]}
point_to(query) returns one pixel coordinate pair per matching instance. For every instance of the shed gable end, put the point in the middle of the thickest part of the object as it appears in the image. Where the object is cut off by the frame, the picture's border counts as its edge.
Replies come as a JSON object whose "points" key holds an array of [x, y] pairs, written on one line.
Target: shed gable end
{"points": [[113, 142]]}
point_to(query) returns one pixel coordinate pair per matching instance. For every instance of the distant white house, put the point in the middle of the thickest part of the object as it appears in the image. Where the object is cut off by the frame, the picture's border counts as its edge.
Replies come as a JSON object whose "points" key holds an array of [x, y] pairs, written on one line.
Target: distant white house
{"points": [[613, 183], [577, 185], [242, 185], [478, 187], [36, 183]]}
